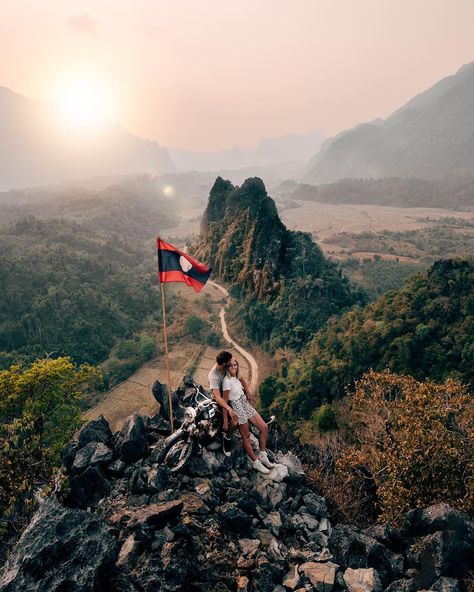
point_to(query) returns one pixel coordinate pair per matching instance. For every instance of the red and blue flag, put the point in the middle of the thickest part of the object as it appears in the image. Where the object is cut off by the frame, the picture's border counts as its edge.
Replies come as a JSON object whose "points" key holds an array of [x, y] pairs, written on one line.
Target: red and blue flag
{"points": [[176, 266]]}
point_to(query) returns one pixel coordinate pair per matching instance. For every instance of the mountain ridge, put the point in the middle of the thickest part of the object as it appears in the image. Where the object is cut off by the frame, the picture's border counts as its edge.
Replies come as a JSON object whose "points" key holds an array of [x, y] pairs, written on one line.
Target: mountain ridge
{"points": [[285, 285], [429, 136]]}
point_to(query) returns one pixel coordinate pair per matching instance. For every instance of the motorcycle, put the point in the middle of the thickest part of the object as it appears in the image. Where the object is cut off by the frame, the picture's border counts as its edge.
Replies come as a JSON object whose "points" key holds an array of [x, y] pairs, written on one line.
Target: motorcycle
{"points": [[202, 422]]}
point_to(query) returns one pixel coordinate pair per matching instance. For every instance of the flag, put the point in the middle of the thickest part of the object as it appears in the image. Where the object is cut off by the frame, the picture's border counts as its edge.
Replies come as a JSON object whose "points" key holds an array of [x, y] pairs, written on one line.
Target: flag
{"points": [[176, 266]]}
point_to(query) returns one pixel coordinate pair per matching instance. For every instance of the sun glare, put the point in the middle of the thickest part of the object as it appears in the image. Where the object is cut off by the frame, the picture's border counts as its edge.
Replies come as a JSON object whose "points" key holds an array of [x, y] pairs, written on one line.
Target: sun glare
{"points": [[82, 104]]}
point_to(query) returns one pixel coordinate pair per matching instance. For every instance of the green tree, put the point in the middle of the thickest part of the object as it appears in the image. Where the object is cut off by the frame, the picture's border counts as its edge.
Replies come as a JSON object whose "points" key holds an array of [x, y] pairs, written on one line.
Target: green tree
{"points": [[324, 418], [39, 412], [147, 346], [195, 326], [270, 387]]}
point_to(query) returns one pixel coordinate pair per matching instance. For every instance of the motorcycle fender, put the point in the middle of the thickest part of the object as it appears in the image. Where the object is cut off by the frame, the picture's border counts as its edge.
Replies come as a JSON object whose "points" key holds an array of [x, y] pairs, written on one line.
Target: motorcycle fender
{"points": [[176, 436]]}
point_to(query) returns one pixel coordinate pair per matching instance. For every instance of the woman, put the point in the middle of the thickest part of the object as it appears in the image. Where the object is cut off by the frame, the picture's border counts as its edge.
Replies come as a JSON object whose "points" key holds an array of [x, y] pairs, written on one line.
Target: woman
{"points": [[235, 390]]}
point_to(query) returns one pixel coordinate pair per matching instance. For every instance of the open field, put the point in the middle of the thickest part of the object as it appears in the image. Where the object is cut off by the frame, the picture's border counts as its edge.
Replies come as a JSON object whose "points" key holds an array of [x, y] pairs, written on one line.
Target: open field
{"points": [[326, 220]]}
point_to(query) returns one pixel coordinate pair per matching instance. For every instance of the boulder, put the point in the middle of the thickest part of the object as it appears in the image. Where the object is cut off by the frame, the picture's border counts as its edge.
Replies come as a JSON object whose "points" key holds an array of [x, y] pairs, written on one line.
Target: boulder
{"points": [[309, 521], [128, 552], [131, 442], [446, 585], [292, 578], [277, 474], [315, 505], [249, 546], [443, 553], [321, 575], [88, 488], [160, 392], [386, 535], [362, 580], [97, 430], [234, 519], [92, 454], [438, 517], [61, 549], [267, 576], [116, 468], [69, 454], [402, 585], [352, 548], [154, 516], [206, 464], [157, 426], [158, 477], [292, 463], [273, 522]]}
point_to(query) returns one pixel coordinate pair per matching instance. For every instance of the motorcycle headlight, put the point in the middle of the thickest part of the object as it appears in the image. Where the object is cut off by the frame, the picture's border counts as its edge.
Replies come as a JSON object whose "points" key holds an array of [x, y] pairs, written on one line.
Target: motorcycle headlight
{"points": [[189, 413]]}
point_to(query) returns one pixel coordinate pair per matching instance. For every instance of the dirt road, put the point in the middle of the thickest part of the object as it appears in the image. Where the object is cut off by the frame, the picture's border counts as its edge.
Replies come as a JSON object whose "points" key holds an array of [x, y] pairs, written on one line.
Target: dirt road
{"points": [[247, 355], [135, 394]]}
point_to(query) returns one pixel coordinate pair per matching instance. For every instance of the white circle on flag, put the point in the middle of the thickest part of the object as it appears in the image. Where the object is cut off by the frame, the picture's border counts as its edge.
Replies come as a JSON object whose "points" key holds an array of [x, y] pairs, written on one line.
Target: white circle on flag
{"points": [[185, 264]]}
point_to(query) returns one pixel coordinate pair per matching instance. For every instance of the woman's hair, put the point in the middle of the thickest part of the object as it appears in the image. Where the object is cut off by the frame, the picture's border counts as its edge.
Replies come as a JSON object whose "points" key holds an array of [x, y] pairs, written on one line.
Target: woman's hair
{"points": [[237, 373]]}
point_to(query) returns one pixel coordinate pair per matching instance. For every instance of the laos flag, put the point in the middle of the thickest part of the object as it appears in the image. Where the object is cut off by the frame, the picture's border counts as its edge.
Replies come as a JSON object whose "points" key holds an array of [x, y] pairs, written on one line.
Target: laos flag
{"points": [[176, 266]]}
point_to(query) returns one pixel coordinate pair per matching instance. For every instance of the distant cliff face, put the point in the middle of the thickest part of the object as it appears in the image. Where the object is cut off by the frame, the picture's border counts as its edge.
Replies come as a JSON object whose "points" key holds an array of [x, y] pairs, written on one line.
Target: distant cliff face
{"points": [[248, 247], [431, 136], [243, 237]]}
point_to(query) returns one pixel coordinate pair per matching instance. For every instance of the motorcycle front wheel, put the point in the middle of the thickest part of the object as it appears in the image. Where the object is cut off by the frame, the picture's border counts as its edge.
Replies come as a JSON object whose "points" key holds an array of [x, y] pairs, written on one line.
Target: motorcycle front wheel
{"points": [[177, 454]]}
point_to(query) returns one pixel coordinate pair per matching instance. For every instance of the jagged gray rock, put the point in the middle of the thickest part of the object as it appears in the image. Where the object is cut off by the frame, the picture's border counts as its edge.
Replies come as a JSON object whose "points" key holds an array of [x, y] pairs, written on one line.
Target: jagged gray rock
{"points": [[225, 529], [131, 442], [88, 488], [92, 454], [97, 430], [352, 548], [446, 585], [362, 580], [61, 549]]}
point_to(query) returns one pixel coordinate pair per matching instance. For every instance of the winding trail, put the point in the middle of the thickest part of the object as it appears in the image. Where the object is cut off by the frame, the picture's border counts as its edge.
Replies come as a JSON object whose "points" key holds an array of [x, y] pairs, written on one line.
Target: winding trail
{"points": [[135, 393], [247, 355]]}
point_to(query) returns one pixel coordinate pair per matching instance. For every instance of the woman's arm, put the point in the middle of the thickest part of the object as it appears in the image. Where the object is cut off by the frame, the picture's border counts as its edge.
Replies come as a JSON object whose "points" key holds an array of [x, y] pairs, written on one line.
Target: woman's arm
{"points": [[247, 392], [221, 400]]}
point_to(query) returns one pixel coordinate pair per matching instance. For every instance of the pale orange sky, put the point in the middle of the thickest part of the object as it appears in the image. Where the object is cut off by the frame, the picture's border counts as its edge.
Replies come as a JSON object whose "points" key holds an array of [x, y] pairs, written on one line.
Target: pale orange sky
{"points": [[209, 74]]}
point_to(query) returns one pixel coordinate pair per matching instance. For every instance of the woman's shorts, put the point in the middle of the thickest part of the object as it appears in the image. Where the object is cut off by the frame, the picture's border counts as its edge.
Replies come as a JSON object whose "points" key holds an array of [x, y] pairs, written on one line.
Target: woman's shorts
{"points": [[243, 409]]}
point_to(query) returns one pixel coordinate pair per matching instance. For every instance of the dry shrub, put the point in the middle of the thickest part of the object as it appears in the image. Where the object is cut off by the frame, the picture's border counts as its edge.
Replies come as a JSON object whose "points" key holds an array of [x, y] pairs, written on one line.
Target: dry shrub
{"points": [[414, 441], [350, 499]]}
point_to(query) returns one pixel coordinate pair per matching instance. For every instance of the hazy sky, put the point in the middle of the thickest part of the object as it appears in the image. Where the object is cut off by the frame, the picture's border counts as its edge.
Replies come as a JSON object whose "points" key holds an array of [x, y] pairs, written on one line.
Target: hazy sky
{"points": [[209, 74]]}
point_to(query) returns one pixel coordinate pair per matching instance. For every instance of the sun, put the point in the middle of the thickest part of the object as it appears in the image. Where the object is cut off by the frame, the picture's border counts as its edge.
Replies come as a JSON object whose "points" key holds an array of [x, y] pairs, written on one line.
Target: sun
{"points": [[82, 104]]}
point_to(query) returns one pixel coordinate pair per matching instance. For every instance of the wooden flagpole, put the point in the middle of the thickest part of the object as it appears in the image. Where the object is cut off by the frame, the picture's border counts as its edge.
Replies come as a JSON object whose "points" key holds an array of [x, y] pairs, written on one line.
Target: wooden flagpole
{"points": [[170, 398]]}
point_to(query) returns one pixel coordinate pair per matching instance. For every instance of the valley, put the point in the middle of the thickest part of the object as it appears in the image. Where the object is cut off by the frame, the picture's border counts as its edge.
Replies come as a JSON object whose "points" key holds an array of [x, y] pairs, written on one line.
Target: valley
{"points": [[188, 354]]}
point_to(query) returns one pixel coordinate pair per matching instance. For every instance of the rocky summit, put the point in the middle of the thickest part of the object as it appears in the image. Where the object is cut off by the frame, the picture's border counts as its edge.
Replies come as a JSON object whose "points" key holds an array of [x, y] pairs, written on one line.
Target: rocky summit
{"points": [[127, 524]]}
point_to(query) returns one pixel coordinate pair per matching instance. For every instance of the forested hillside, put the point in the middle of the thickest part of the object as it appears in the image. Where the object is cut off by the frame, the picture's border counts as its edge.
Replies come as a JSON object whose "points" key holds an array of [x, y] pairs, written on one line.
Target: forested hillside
{"points": [[424, 330], [77, 270], [70, 291], [285, 286], [451, 191]]}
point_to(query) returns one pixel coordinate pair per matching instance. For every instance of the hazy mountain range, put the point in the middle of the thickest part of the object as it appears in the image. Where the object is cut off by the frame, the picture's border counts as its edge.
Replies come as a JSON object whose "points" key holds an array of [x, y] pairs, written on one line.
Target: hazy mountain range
{"points": [[430, 136], [285, 154], [34, 150]]}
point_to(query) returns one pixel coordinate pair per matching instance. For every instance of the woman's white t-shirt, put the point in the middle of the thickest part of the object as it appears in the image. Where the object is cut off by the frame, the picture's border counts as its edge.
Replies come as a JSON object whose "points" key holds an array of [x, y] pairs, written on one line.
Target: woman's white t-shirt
{"points": [[234, 386]]}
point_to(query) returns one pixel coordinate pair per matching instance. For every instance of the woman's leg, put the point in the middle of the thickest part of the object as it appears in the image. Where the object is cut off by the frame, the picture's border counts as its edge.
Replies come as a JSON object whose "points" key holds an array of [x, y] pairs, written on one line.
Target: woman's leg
{"points": [[260, 424], [245, 433]]}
